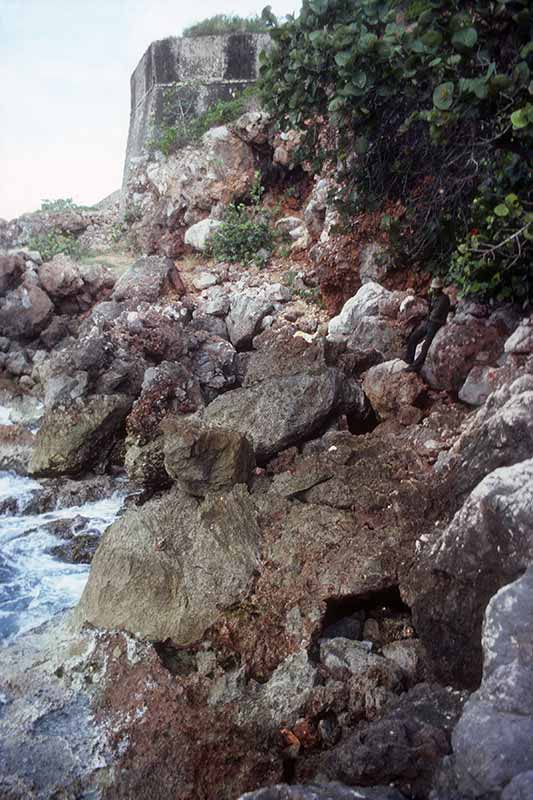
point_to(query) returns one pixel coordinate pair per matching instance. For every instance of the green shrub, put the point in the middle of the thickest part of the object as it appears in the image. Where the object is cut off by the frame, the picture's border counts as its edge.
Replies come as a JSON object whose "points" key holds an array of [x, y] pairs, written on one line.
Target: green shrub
{"points": [[225, 23], [59, 204], [180, 126], [53, 243], [432, 116], [246, 234]]}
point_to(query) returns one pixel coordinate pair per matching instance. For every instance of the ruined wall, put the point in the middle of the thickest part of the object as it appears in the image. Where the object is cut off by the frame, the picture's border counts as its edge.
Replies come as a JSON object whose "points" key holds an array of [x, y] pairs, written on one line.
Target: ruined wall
{"points": [[204, 70]]}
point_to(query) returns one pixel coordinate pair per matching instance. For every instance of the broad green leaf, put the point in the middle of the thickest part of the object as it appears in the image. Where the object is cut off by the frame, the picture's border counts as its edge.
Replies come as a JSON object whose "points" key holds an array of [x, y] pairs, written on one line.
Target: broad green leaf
{"points": [[343, 59], [432, 38], [443, 96], [336, 104], [361, 145], [464, 39], [519, 119], [501, 210]]}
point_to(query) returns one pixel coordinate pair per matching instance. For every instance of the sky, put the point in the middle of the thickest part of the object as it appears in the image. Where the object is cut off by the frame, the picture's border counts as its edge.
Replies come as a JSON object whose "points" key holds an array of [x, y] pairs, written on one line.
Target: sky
{"points": [[65, 67]]}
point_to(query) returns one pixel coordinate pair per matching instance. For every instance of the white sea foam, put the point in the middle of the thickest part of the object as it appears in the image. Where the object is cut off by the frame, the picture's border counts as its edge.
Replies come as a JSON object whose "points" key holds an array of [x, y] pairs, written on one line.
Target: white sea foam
{"points": [[34, 585]]}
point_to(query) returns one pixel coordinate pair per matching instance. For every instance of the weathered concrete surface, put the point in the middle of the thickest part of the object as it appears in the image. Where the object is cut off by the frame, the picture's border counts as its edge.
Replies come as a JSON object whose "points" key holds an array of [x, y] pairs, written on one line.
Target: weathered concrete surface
{"points": [[204, 70]]}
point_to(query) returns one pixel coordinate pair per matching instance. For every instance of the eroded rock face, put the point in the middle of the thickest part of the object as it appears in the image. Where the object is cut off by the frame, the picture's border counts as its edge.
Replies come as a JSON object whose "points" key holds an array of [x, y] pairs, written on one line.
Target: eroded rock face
{"points": [[324, 791], [206, 459], [492, 741], [167, 570], [79, 437], [488, 543]]}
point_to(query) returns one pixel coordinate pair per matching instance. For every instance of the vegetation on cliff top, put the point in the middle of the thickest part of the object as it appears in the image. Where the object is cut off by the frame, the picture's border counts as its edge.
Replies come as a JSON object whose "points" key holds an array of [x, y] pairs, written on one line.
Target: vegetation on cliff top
{"points": [[226, 23], [428, 111]]}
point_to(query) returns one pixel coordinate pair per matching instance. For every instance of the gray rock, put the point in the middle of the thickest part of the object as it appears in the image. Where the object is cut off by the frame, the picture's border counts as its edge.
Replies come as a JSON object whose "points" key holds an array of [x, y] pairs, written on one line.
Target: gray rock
{"points": [[63, 389], [492, 742], [488, 542], [218, 302], [204, 280], [11, 269], [169, 569], [247, 310], [144, 280], [214, 364], [520, 788], [278, 412], [324, 791], [365, 303], [206, 459], [374, 263], [25, 312], [521, 341], [78, 437], [390, 389]]}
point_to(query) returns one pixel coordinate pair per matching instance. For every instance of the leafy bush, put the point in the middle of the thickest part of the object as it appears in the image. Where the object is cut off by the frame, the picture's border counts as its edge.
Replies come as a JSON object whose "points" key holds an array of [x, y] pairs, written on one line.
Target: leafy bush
{"points": [[430, 113], [246, 234], [54, 242], [181, 127], [60, 204], [225, 23]]}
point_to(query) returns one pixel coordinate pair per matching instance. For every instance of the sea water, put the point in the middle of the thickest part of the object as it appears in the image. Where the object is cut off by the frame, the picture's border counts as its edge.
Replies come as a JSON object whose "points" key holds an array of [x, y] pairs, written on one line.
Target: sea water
{"points": [[34, 584]]}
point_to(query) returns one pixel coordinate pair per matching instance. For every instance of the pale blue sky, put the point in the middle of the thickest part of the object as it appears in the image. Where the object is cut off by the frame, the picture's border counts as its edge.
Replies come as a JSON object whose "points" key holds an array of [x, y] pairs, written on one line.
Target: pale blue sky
{"points": [[64, 99]]}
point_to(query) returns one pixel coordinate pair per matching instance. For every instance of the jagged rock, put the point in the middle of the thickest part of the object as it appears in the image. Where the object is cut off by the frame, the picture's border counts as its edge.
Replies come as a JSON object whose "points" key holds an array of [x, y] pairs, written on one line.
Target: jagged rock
{"points": [[214, 364], [81, 436], [63, 388], [206, 459], [404, 748], [281, 411], [499, 434], [323, 791], [24, 313], [365, 303], [218, 302], [79, 550], [11, 270], [252, 127], [458, 346], [279, 354], [16, 445], [144, 280], [492, 740], [520, 788], [169, 569], [390, 389], [198, 236], [488, 543], [521, 341], [145, 464], [60, 277], [247, 309]]}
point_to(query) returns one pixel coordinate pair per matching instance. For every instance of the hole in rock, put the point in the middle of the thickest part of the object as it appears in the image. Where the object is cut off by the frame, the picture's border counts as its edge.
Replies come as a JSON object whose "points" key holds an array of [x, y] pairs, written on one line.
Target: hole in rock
{"points": [[177, 660], [359, 426], [380, 617]]}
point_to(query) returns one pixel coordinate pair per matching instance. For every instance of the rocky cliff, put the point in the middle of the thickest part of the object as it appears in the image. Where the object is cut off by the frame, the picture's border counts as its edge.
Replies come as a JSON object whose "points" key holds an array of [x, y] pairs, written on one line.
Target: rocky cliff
{"points": [[320, 584]]}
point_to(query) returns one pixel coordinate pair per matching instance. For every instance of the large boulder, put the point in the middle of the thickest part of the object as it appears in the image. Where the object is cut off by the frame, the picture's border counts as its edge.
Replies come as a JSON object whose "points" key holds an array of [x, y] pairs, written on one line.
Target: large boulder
{"points": [[391, 390], [75, 438], [168, 570], [11, 269], [206, 459], [281, 411], [25, 312], [488, 543], [247, 310], [492, 742], [60, 277], [144, 280], [458, 346]]}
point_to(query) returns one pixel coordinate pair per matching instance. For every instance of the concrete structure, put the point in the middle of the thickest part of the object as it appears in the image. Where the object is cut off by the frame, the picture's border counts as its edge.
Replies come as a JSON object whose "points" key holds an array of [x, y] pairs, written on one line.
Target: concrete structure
{"points": [[177, 78]]}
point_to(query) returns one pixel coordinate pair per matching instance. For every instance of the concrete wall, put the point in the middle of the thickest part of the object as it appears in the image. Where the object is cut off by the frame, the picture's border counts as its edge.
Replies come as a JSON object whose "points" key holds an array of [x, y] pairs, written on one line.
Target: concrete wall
{"points": [[203, 70]]}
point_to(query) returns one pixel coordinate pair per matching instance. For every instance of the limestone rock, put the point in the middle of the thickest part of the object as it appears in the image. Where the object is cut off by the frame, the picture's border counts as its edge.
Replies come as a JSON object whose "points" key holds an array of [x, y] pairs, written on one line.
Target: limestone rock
{"points": [[79, 437], [374, 263], [168, 569], [363, 304], [204, 280], [492, 742], [278, 412], [498, 435], [206, 459], [252, 127], [390, 389], [488, 542], [60, 277], [199, 234], [145, 464], [521, 341], [144, 280], [315, 210]]}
